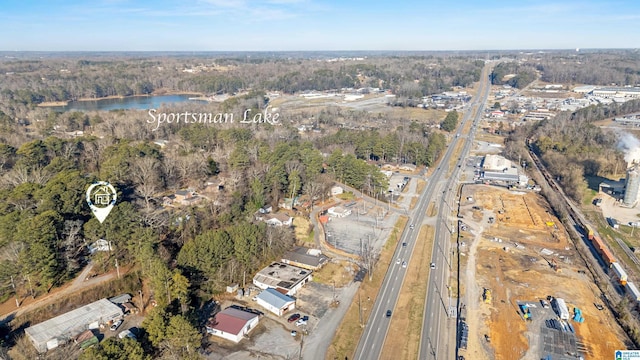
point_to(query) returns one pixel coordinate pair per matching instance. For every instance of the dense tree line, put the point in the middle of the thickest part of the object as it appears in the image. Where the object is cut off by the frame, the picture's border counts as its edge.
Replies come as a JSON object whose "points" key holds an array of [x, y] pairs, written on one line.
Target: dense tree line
{"points": [[522, 74], [620, 67], [450, 122], [572, 147], [34, 81]]}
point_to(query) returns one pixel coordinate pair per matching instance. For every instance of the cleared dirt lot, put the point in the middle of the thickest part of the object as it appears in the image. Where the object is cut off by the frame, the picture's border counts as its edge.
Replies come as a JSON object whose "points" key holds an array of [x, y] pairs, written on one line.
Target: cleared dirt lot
{"points": [[513, 257]]}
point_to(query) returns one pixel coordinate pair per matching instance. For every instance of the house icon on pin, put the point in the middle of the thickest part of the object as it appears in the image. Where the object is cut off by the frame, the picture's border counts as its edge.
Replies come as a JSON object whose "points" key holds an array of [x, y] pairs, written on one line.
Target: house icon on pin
{"points": [[102, 196]]}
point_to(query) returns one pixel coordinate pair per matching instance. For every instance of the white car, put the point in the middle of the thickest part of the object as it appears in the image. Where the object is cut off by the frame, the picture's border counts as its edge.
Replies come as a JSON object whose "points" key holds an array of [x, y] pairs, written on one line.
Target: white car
{"points": [[398, 261], [404, 264], [301, 322], [116, 325], [433, 265]]}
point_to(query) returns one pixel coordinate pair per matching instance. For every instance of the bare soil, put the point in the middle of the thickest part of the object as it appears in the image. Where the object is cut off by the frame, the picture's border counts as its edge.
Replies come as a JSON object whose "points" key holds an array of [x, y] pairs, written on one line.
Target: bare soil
{"points": [[506, 258]]}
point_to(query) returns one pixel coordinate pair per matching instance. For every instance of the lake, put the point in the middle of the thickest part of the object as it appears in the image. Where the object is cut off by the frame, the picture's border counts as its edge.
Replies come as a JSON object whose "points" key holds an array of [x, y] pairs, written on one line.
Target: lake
{"points": [[127, 103]]}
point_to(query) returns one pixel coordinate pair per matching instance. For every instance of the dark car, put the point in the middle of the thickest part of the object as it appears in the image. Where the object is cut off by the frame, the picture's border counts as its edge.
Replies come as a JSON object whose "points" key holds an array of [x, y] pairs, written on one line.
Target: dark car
{"points": [[388, 313], [293, 317], [404, 244]]}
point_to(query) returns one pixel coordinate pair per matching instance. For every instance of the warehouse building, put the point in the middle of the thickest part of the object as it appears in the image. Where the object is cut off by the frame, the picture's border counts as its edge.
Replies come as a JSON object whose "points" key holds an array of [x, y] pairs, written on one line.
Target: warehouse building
{"points": [[49, 334], [285, 278]]}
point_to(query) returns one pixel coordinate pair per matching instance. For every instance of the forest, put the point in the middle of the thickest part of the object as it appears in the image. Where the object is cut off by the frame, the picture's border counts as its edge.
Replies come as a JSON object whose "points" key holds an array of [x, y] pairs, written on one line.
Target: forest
{"points": [[186, 255], [572, 147]]}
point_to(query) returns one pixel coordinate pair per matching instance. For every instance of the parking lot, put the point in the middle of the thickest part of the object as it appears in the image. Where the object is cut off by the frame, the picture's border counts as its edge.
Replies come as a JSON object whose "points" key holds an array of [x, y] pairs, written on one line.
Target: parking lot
{"points": [[366, 225]]}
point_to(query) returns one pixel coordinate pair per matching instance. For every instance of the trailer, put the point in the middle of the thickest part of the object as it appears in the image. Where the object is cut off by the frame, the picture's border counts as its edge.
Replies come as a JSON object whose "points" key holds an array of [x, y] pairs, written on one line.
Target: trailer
{"points": [[620, 273], [632, 290], [561, 308]]}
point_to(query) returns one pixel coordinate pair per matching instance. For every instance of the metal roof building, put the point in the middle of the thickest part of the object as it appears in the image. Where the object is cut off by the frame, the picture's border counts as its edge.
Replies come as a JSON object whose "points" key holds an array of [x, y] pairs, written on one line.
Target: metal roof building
{"points": [[275, 301], [49, 334]]}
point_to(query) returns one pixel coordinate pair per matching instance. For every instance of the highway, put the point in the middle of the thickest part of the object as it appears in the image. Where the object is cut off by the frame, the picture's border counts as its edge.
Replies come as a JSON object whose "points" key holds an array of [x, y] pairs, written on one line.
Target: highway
{"points": [[438, 341], [375, 332]]}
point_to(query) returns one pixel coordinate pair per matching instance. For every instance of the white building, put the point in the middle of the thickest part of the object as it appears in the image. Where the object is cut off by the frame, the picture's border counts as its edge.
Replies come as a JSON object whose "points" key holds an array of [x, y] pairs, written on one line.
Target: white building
{"points": [[232, 324], [338, 211], [274, 301], [278, 219], [287, 278], [50, 334]]}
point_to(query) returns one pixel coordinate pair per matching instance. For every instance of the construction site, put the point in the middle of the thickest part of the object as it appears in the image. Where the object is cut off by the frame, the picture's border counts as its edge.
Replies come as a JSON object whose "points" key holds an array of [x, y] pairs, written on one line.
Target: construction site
{"points": [[516, 260]]}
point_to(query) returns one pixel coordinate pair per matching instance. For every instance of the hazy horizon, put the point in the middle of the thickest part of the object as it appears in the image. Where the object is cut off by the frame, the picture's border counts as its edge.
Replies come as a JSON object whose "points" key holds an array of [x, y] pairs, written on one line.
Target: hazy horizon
{"points": [[317, 25]]}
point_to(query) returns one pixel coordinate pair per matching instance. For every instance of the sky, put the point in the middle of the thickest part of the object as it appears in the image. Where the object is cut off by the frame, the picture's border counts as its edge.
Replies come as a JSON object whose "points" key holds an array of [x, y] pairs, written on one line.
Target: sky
{"points": [[315, 25]]}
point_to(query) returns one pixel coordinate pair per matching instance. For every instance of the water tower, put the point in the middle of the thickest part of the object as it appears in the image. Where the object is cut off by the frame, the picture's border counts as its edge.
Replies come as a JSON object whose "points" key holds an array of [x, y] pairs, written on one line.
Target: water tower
{"points": [[632, 186]]}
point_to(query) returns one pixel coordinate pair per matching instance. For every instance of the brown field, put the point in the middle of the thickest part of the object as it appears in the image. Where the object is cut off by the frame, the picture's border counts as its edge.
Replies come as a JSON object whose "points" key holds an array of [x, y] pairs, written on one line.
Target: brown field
{"points": [[303, 230], [520, 272], [335, 273], [403, 341]]}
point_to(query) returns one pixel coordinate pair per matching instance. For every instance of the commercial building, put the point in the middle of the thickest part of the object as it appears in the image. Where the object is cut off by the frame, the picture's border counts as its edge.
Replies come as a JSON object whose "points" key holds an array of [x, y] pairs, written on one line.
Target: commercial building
{"points": [[306, 258], [286, 278], [232, 324], [49, 334], [276, 302]]}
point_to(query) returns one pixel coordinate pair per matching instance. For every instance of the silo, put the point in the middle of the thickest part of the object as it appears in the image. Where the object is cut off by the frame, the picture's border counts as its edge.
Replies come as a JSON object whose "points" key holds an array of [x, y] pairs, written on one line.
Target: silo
{"points": [[632, 186]]}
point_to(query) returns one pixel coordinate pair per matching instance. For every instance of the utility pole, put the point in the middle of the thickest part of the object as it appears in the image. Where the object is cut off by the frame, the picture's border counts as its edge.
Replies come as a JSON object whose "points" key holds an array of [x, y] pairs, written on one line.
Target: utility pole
{"points": [[359, 309], [15, 292]]}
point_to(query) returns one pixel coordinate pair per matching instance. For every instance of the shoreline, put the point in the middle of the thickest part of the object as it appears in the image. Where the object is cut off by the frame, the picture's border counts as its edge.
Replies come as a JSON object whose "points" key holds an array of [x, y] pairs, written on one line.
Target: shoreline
{"points": [[118, 97]]}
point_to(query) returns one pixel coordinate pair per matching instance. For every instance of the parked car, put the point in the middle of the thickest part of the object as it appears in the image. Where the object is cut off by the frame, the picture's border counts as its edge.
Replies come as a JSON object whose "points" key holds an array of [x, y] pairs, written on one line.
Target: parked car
{"points": [[116, 325], [293, 318], [301, 322]]}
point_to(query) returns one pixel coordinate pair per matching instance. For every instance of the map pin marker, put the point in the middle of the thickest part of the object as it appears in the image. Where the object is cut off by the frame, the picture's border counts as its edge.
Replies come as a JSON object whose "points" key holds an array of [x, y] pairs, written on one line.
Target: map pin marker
{"points": [[101, 196]]}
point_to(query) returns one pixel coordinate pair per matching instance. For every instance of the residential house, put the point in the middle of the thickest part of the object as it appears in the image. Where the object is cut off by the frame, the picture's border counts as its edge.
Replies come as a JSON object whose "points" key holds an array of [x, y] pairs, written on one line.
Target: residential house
{"points": [[278, 219], [276, 302], [99, 245], [232, 324]]}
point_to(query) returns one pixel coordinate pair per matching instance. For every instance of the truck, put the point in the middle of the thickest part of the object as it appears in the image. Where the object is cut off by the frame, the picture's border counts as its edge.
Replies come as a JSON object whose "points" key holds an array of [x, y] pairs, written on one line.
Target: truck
{"points": [[560, 308]]}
